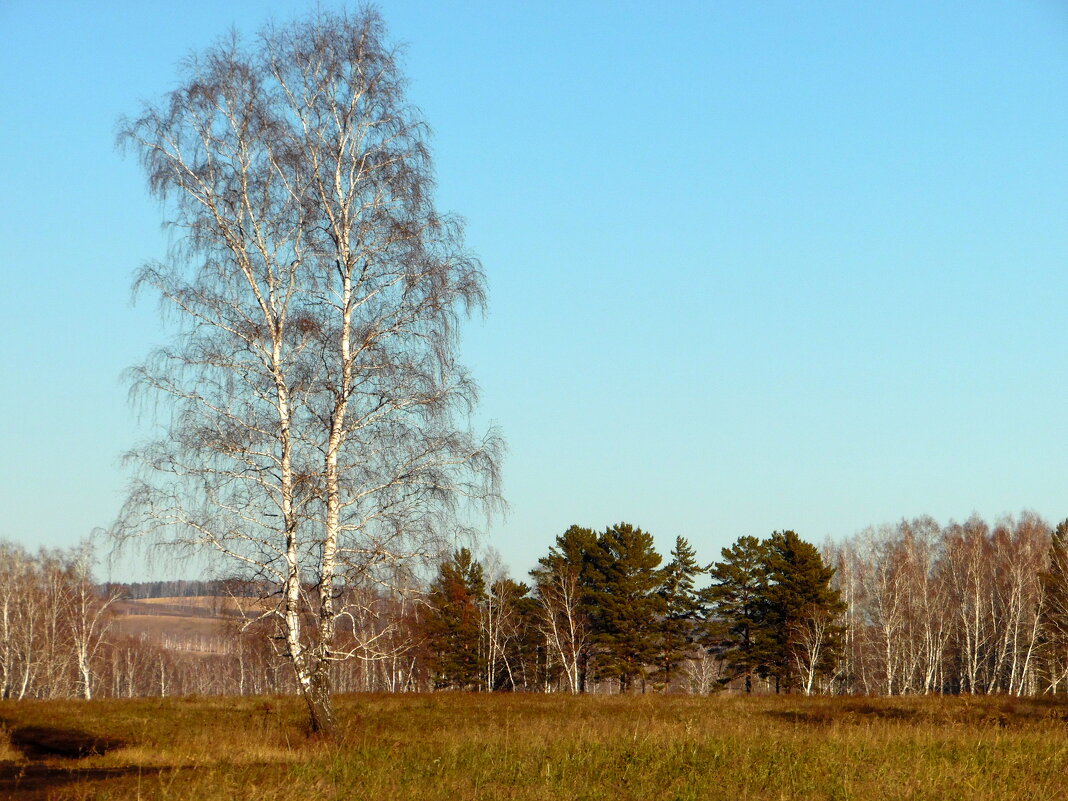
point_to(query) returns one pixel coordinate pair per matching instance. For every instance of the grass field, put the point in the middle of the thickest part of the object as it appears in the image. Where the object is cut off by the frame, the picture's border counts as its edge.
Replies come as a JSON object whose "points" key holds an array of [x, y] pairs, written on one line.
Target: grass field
{"points": [[452, 746]]}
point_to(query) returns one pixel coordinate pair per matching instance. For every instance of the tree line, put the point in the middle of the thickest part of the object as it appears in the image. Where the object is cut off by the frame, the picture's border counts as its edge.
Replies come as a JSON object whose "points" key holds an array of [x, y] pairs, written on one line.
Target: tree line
{"points": [[912, 608], [61, 636]]}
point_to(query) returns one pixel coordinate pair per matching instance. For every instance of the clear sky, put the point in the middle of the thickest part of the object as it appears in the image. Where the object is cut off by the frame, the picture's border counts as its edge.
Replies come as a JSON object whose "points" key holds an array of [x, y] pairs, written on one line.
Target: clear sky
{"points": [[752, 265]]}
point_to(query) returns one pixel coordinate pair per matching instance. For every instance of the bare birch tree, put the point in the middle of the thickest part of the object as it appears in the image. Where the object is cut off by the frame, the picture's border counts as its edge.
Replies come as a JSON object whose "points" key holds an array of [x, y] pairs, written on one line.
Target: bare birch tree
{"points": [[563, 619], [884, 588], [969, 569], [315, 397], [810, 634], [1020, 555], [22, 608], [87, 615]]}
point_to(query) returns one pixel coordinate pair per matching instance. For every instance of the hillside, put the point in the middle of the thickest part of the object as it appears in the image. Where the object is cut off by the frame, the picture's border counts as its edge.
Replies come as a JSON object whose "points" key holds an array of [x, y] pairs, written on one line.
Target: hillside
{"points": [[190, 623]]}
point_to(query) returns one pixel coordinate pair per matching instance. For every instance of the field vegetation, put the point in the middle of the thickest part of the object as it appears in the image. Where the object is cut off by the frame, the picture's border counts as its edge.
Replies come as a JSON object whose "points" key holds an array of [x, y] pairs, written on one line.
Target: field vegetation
{"points": [[536, 746]]}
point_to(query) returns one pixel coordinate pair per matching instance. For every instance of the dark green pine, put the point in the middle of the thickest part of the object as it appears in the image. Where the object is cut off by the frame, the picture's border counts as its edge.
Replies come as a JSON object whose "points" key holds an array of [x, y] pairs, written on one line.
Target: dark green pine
{"points": [[624, 605], [737, 600], [569, 551], [683, 609], [799, 588]]}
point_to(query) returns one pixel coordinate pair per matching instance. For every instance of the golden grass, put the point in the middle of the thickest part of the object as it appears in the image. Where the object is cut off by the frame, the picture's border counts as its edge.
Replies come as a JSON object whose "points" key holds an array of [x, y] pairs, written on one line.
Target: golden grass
{"points": [[159, 626], [452, 746]]}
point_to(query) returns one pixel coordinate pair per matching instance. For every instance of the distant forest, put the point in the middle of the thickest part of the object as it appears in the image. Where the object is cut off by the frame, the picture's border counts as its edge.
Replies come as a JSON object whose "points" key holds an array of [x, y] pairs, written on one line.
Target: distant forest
{"points": [[913, 608], [179, 588]]}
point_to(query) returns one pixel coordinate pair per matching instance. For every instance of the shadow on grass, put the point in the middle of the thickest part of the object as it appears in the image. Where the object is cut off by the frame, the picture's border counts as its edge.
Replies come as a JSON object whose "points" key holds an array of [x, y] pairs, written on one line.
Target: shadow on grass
{"points": [[60, 747], [33, 781], [42, 742]]}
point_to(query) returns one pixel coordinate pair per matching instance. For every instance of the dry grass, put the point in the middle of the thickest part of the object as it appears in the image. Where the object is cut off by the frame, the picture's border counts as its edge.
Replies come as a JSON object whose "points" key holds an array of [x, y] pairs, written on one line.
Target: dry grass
{"points": [[161, 627], [557, 747], [175, 620]]}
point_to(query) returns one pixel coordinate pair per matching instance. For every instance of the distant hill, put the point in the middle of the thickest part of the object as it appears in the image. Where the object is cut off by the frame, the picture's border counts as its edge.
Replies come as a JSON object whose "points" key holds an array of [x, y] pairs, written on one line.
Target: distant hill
{"points": [[196, 623]]}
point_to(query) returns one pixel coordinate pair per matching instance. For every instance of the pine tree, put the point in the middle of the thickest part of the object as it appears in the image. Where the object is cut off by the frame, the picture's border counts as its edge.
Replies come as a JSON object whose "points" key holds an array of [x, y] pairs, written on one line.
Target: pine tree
{"points": [[738, 608], [1054, 615], [451, 625], [682, 609], [803, 610], [624, 607]]}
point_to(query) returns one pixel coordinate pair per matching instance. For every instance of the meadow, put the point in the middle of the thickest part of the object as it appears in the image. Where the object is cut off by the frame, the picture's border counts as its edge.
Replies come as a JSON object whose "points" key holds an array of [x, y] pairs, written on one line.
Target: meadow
{"points": [[469, 746]]}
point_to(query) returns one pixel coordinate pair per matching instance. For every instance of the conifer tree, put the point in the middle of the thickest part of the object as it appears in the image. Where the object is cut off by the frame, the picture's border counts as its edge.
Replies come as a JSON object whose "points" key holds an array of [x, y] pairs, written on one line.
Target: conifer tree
{"points": [[738, 608], [624, 606], [1054, 614], [802, 612], [452, 622], [682, 608]]}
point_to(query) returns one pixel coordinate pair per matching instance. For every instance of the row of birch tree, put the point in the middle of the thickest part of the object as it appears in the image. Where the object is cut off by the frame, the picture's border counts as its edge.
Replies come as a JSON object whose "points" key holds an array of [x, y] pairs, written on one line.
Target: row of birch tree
{"points": [[969, 607], [53, 622]]}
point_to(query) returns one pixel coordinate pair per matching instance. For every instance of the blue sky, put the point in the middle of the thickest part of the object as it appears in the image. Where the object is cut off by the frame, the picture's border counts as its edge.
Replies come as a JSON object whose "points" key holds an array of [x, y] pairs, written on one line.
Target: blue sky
{"points": [[752, 265]]}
